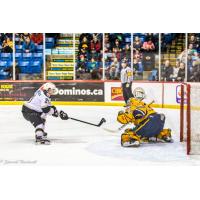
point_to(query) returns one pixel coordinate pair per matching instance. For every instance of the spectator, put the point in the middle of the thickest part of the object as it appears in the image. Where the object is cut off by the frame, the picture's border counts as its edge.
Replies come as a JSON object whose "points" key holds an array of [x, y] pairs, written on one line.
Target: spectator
{"points": [[7, 45], [113, 72], [81, 65], [150, 37], [37, 38], [20, 38], [137, 69], [117, 47], [189, 63], [84, 48], [137, 55], [127, 52], [2, 38], [93, 68], [195, 72], [95, 45], [137, 44], [191, 49], [174, 76], [107, 44], [193, 41], [181, 72], [117, 66], [148, 46], [88, 36], [92, 65], [28, 46], [195, 56], [95, 50], [167, 71], [148, 60], [182, 57], [84, 44]]}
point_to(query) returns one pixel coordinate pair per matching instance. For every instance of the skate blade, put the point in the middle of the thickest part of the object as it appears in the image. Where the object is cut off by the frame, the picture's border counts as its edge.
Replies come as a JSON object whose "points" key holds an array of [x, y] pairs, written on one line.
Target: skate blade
{"points": [[128, 144], [169, 140], [42, 143]]}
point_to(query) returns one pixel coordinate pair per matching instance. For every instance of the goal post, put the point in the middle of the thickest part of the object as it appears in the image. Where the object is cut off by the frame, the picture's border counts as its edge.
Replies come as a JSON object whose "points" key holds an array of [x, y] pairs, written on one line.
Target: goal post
{"points": [[190, 117]]}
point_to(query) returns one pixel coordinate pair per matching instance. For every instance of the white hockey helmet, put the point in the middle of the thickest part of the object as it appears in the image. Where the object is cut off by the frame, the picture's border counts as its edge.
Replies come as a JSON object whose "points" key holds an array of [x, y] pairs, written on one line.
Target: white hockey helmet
{"points": [[48, 86]]}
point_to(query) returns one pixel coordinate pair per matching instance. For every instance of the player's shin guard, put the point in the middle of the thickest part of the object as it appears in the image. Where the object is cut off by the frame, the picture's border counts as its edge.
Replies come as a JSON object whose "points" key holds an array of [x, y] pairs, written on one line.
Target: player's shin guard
{"points": [[130, 139]]}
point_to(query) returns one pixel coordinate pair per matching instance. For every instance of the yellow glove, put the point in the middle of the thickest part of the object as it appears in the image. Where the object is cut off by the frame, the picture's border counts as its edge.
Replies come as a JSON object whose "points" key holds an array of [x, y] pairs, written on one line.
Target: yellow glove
{"points": [[124, 117]]}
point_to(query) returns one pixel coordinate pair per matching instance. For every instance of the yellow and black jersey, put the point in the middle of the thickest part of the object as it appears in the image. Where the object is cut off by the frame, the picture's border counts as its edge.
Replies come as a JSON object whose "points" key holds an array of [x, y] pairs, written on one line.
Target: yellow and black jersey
{"points": [[139, 110]]}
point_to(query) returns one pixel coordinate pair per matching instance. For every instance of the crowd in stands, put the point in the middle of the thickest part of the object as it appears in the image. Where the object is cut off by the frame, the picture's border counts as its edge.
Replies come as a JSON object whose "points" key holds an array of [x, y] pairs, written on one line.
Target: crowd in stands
{"points": [[145, 47], [173, 73], [177, 72], [117, 49], [29, 55], [173, 50], [193, 59], [6, 55], [89, 57]]}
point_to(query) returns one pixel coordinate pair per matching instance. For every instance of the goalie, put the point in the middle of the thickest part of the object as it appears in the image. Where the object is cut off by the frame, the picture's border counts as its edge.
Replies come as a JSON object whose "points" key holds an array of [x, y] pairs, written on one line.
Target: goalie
{"points": [[148, 124]]}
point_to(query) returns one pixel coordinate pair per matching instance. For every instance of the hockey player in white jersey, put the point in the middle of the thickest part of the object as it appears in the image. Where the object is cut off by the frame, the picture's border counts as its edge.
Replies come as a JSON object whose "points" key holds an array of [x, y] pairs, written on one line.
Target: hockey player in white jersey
{"points": [[38, 108]]}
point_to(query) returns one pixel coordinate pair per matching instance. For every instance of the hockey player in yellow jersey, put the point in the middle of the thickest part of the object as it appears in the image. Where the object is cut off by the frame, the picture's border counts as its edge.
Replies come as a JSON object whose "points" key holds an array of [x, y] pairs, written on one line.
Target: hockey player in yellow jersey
{"points": [[148, 124]]}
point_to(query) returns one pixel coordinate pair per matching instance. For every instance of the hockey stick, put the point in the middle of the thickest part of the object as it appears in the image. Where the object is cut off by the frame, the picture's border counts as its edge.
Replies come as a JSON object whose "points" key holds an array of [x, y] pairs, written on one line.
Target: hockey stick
{"points": [[98, 125], [115, 131], [124, 125]]}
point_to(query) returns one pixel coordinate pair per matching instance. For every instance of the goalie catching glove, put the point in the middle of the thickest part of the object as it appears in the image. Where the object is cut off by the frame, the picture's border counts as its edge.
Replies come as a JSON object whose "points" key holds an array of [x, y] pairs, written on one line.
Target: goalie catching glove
{"points": [[124, 117], [63, 115]]}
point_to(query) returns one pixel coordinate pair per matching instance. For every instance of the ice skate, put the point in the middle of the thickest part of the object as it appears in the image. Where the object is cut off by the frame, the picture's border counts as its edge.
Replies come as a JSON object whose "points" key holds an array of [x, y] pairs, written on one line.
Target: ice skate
{"points": [[42, 140]]}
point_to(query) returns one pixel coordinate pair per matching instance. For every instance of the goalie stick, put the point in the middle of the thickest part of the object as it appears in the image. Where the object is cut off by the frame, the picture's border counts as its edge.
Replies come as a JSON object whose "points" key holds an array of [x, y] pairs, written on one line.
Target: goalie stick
{"points": [[124, 125], [98, 125], [115, 131]]}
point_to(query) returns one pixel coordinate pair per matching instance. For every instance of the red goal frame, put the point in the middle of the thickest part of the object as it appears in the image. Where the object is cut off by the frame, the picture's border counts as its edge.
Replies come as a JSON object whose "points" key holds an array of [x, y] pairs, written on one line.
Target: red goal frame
{"points": [[185, 107]]}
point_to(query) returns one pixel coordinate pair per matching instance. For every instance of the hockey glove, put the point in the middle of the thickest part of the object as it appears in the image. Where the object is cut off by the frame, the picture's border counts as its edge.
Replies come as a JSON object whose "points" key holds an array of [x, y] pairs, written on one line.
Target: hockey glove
{"points": [[63, 115], [55, 112]]}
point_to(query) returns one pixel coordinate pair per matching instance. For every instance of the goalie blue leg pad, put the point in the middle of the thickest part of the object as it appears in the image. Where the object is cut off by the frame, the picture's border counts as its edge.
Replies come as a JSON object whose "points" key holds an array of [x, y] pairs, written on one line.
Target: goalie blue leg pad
{"points": [[151, 127]]}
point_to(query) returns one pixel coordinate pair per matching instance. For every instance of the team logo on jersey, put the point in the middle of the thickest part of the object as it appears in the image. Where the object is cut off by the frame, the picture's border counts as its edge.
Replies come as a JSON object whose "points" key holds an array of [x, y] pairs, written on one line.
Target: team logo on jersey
{"points": [[139, 93], [116, 94]]}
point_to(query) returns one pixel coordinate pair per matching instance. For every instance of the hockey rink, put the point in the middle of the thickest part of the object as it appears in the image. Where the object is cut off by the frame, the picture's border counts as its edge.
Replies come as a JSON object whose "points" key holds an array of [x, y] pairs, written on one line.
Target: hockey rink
{"points": [[75, 143]]}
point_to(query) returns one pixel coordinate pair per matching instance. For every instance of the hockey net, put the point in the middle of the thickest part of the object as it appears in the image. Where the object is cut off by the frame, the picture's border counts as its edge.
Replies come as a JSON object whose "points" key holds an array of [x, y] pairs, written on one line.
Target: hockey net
{"points": [[190, 117]]}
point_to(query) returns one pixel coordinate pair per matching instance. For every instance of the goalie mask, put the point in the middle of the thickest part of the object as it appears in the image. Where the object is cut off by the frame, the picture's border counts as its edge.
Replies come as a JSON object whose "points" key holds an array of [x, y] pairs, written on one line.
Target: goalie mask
{"points": [[124, 117], [139, 93]]}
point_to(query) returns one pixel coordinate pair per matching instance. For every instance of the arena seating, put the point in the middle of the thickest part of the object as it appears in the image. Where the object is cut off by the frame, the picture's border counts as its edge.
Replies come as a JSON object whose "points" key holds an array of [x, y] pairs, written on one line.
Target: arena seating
{"points": [[3, 66], [49, 42], [30, 63], [172, 46]]}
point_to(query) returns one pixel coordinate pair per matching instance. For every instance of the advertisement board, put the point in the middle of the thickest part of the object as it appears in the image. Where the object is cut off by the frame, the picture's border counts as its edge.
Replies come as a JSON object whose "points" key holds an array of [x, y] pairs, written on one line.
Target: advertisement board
{"points": [[71, 91]]}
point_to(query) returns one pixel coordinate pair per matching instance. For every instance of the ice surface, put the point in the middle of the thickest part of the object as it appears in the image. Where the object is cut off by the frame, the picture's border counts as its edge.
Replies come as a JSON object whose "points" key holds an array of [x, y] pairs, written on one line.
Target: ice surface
{"points": [[75, 143]]}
